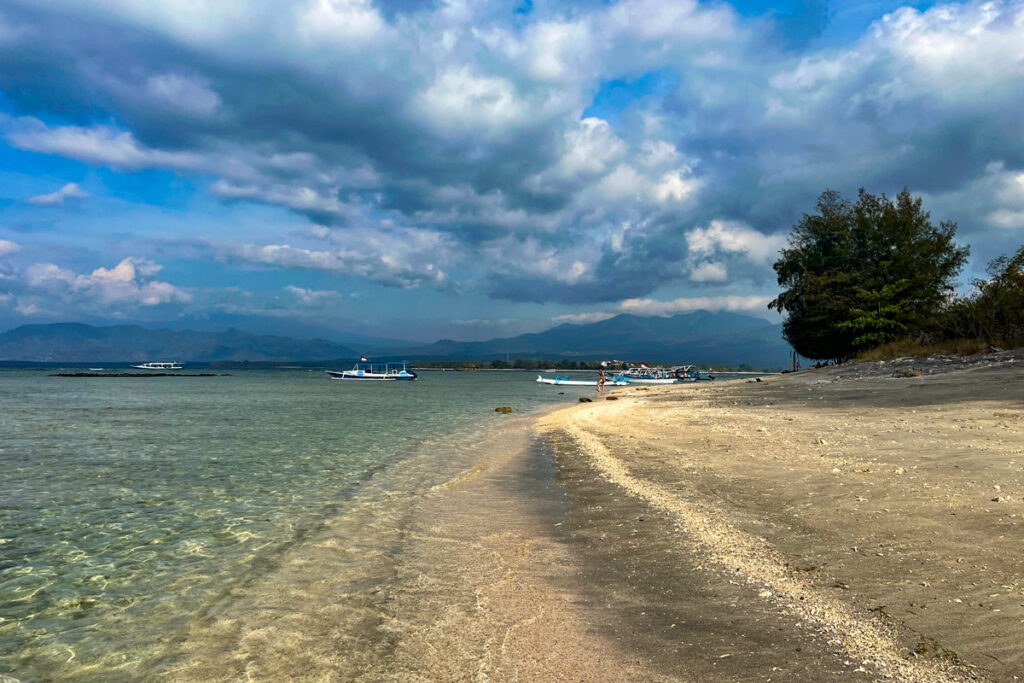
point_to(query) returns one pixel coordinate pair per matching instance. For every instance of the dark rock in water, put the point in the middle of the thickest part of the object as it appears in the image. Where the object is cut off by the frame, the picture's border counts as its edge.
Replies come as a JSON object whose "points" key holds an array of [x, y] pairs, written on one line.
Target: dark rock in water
{"points": [[584, 399], [561, 393], [503, 409], [611, 398]]}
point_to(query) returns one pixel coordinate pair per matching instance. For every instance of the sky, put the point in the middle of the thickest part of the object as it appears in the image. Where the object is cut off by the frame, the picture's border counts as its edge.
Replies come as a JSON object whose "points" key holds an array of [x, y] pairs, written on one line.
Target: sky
{"points": [[470, 169]]}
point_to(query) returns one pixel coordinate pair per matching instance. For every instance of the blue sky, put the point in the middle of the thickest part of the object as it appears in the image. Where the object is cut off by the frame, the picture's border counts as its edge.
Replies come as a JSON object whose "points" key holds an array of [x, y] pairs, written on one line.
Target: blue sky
{"points": [[470, 169]]}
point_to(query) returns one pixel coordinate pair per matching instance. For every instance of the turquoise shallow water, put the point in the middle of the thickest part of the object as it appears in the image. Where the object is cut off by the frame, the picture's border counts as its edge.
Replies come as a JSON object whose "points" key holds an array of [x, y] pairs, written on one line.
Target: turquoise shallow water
{"points": [[129, 504]]}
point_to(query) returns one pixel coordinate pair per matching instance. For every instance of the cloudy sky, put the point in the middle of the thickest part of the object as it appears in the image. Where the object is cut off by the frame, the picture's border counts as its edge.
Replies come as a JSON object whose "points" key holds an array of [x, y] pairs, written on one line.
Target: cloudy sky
{"points": [[469, 169]]}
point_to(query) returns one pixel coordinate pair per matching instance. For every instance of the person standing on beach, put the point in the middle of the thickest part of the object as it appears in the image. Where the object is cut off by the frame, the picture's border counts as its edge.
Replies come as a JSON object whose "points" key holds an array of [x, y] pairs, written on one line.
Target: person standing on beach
{"points": [[600, 382]]}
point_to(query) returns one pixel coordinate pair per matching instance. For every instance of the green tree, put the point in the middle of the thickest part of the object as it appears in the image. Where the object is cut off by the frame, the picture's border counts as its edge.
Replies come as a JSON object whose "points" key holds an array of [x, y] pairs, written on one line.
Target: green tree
{"points": [[857, 275], [995, 312]]}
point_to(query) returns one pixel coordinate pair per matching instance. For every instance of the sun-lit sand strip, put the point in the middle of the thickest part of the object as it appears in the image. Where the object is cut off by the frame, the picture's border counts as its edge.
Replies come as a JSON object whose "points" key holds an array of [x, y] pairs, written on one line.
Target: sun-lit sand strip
{"points": [[879, 508], [751, 557]]}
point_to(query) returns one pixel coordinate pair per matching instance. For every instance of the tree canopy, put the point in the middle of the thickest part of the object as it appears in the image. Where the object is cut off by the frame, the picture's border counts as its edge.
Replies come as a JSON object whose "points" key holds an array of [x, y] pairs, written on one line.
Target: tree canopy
{"points": [[855, 276]]}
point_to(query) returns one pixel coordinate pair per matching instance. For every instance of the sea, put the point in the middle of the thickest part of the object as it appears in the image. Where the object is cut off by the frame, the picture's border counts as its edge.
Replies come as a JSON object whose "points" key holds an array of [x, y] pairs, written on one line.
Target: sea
{"points": [[131, 507]]}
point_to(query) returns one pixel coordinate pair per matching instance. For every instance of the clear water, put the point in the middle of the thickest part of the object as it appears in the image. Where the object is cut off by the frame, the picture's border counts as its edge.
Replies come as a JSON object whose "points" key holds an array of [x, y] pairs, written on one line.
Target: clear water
{"points": [[127, 505]]}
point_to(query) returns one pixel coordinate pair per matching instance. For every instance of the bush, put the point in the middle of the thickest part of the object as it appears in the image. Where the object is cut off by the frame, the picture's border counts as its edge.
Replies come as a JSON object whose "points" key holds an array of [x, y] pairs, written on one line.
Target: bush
{"points": [[995, 313]]}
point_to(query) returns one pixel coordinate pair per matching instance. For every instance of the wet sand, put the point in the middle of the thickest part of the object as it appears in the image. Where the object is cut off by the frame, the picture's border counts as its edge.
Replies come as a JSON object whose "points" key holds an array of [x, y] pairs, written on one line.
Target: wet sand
{"points": [[809, 527]]}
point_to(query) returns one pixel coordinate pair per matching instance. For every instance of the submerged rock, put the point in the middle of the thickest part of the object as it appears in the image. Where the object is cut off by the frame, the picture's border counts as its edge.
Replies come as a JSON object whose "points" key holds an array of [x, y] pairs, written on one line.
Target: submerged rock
{"points": [[503, 409]]}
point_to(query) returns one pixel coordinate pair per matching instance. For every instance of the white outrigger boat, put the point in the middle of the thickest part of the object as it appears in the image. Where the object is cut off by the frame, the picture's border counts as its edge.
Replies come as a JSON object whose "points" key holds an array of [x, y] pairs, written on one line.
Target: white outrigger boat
{"points": [[644, 374], [649, 376], [381, 372], [158, 366], [617, 381]]}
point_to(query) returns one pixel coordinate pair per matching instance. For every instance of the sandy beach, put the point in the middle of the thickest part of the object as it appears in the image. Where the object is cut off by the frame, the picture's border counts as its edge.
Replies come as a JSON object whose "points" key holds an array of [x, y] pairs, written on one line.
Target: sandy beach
{"points": [[852, 523], [874, 511]]}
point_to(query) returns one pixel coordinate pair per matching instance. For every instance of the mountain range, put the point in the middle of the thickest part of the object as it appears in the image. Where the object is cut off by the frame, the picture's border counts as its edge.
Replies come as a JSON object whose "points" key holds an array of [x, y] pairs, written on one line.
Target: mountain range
{"points": [[700, 337], [79, 343]]}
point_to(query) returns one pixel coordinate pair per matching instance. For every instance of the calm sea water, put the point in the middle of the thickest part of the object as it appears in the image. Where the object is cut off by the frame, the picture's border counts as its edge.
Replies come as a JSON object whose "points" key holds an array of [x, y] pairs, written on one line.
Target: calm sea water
{"points": [[127, 505]]}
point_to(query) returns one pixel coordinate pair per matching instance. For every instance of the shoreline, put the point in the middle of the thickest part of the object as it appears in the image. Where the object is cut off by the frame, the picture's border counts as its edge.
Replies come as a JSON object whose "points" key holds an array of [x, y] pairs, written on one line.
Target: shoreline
{"points": [[876, 511], [835, 524]]}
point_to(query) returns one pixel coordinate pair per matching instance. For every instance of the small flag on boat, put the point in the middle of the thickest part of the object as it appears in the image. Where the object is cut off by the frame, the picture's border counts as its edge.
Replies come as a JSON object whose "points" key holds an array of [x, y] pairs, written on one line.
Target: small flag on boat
{"points": [[644, 365], [363, 359]]}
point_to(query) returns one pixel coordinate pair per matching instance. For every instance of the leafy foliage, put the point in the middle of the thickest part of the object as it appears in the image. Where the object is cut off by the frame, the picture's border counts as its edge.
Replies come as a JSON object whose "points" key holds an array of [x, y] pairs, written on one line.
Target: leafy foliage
{"points": [[995, 313], [859, 275]]}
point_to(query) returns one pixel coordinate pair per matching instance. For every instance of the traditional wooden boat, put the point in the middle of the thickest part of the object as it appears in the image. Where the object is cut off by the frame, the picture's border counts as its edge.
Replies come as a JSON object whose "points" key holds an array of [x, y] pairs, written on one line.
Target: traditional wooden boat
{"points": [[617, 381], [380, 372]]}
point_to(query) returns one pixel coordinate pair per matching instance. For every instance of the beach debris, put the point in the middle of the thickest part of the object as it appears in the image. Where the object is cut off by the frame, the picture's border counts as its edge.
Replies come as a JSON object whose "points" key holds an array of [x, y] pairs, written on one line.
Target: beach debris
{"points": [[611, 398], [584, 399], [503, 409], [820, 441]]}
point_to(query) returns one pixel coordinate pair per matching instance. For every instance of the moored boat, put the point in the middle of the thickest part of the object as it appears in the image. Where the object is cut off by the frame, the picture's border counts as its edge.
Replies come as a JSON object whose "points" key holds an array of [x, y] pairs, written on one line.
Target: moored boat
{"points": [[380, 372], [644, 374], [159, 366], [617, 381]]}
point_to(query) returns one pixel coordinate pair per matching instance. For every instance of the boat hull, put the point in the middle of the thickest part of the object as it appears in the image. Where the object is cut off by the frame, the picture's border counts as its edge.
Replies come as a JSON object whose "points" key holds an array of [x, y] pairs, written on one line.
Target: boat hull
{"points": [[372, 376], [652, 380], [580, 382]]}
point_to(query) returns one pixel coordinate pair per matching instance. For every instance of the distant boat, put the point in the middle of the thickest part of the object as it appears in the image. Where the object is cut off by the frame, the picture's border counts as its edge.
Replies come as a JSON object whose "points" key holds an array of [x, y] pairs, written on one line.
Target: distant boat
{"points": [[617, 381], [644, 374], [159, 366], [381, 372], [689, 373]]}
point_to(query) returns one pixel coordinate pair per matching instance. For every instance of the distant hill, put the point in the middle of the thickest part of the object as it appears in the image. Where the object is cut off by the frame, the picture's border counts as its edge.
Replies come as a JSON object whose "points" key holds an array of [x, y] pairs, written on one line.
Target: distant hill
{"points": [[701, 337], [269, 325], [74, 342]]}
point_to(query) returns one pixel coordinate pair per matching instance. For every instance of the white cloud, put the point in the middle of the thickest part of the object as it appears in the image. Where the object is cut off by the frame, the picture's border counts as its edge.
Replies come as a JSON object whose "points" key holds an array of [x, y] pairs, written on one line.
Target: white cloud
{"points": [[590, 148], [312, 297], [654, 20], [8, 247], [27, 308], [189, 95], [558, 50], [709, 272], [733, 237], [533, 258], [95, 145], [688, 304], [403, 257], [658, 153], [582, 318], [341, 23], [477, 322], [293, 196], [71, 190], [674, 187], [129, 282], [461, 97]]}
